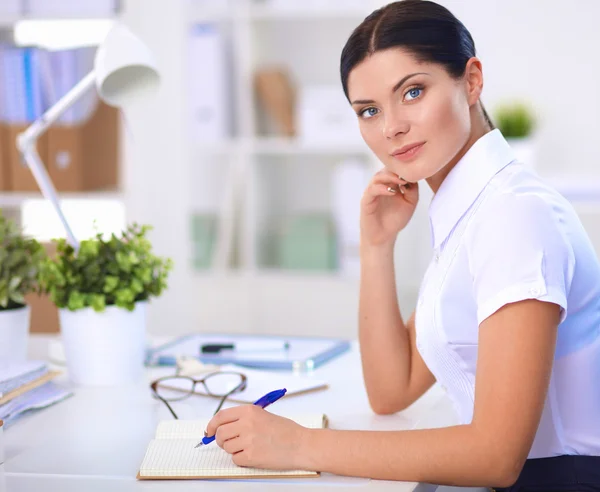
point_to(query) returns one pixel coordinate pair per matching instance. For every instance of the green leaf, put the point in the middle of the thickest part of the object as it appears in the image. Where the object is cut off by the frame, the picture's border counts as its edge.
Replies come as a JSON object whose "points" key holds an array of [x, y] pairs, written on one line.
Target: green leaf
{"points": [[97, 302], [107, 270], [76, 301], [110, 283], [17, 298], [14, 283], [21, 262]]}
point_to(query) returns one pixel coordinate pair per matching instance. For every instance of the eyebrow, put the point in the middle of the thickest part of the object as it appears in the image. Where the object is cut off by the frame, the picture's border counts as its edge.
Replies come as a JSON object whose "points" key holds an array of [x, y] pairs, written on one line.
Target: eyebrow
{"points": [[396, 87]]}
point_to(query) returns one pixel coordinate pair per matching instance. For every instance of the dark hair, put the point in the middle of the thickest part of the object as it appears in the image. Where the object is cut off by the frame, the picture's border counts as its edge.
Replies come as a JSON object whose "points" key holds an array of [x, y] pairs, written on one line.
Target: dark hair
{"points": [[424, 28]]}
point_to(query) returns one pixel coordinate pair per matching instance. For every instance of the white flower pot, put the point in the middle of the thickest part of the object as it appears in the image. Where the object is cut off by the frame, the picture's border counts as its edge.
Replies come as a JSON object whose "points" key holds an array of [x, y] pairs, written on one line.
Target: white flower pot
{"points": [[14, 330], [104, 349]]}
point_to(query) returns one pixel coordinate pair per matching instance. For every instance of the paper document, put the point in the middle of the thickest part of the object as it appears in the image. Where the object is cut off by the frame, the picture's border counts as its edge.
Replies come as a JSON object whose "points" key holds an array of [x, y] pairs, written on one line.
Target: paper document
{"points": [[14, 376], [37, 398]]}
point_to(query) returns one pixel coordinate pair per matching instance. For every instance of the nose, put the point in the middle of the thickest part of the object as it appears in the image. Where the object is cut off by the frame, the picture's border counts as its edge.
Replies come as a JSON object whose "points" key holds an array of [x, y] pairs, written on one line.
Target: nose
{"points": [[394, 125]]}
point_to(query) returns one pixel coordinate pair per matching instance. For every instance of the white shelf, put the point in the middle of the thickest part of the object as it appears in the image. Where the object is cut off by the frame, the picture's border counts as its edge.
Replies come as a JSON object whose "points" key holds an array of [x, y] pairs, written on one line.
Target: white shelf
{"points": [[585, 190], [286, 146], [266, 12], [8, 21], [201, 14], [16, 199], [224, 147], [282, 146]]}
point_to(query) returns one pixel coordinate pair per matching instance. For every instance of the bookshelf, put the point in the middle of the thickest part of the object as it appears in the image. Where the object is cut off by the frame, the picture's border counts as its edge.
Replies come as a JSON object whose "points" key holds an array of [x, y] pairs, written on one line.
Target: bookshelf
{"points": [[28, 207], [243, 292], [15, 199], [167, 176]]}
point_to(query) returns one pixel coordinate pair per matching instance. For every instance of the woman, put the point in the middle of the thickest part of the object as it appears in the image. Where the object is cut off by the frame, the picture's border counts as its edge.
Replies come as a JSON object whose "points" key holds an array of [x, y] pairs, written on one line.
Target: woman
{"points": [[511, 298]]}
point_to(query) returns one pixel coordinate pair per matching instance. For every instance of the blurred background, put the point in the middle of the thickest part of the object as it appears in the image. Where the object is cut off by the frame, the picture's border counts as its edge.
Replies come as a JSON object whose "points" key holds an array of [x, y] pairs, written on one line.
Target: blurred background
{"points": [[248, 163]]}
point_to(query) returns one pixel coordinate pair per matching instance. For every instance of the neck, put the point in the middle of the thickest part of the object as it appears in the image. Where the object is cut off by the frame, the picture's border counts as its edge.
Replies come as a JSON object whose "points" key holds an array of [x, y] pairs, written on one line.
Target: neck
{"points": [[479, 128]]}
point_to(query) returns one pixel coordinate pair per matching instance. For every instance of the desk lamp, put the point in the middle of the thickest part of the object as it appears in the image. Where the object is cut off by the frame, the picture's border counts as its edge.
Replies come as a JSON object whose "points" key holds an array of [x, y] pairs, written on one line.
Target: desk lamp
{"points": [[124, 70]]}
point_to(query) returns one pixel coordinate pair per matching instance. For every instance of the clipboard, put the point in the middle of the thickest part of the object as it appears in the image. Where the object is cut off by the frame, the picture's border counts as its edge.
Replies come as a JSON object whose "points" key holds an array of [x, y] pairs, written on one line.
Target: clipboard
{"points": [[303, 354]]}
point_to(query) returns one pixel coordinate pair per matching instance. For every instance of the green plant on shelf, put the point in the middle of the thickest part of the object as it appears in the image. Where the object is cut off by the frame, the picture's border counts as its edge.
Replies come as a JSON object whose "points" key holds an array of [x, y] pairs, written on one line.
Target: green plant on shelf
{"points": [[515, 120], [20, 260], [103, 272]]}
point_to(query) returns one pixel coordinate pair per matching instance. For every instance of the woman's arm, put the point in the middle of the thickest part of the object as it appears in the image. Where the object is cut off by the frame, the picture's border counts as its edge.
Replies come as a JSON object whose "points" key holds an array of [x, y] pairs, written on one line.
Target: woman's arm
{"points": [[516, 351], [394, 372]]}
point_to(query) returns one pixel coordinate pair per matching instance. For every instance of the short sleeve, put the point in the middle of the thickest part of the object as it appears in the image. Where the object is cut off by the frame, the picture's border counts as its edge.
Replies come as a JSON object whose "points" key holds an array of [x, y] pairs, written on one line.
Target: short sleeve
{"points": [[517, 251]]}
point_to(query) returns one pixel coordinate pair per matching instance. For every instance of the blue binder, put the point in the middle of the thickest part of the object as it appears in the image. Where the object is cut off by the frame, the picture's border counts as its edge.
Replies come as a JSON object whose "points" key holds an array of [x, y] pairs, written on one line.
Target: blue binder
{"points": [[303, 354]]}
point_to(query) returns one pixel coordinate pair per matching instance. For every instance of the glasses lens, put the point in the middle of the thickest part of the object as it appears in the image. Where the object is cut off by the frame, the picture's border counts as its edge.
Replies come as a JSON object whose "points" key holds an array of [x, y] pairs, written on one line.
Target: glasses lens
{"points": [[175, 388], [223, 383]]}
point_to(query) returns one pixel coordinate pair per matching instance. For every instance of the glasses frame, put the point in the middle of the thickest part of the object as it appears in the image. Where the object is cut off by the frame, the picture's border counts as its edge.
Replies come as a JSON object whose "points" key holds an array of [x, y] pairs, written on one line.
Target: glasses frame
{"points": [[240, 387]]}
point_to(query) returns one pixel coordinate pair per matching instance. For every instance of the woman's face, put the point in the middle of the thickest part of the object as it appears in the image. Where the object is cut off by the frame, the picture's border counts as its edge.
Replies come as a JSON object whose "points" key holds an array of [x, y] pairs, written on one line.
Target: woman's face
{"points": [[401, 103]]}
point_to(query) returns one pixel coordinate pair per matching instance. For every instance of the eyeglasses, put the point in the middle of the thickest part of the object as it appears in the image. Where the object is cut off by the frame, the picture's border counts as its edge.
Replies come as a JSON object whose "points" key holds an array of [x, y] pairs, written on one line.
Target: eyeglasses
{"points": [[217, 384]]}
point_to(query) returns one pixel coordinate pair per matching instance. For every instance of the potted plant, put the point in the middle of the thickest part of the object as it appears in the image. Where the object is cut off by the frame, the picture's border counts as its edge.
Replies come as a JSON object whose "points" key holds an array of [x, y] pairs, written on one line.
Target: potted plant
{"points": [[102, 290], [516, 121], [20, 260]]}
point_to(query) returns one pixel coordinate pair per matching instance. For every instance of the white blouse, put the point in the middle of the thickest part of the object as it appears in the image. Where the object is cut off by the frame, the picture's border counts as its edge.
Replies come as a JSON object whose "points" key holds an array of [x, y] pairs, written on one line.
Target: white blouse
{"points": [[501, 235]]}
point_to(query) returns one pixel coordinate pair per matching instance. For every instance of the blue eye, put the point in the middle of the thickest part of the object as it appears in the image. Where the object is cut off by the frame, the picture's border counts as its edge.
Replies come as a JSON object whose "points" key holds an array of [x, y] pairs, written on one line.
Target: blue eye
{"points": [[414, 93], [368, 113]]}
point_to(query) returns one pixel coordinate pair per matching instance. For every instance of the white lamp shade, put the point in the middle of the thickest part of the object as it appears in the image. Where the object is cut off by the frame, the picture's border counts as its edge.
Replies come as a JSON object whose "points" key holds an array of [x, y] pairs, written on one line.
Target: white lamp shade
{"points": [[125, 68]]}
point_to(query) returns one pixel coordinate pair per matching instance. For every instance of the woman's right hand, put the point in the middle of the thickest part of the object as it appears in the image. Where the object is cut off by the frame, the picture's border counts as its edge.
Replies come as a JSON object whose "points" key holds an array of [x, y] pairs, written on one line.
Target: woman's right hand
{"points": [[385, 213]]}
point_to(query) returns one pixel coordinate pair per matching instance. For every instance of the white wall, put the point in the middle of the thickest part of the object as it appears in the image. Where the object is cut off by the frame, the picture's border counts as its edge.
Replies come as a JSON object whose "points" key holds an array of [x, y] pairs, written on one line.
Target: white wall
{"points": [[156, 155], [542, 50], [545, 51]]}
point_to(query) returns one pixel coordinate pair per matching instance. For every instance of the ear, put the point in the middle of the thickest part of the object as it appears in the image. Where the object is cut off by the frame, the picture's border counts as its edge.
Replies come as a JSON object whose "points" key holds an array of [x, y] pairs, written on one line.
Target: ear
{"points": [[474, 80]]}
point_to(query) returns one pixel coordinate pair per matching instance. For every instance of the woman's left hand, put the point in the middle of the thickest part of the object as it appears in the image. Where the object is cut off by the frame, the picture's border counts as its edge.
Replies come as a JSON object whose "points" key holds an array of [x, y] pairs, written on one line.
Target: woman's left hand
{"points": [[258, 438]]}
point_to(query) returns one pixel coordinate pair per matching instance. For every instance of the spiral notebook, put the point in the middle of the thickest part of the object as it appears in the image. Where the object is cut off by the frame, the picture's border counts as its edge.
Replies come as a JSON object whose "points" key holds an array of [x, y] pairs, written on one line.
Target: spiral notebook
{"points": [[172, 454]]}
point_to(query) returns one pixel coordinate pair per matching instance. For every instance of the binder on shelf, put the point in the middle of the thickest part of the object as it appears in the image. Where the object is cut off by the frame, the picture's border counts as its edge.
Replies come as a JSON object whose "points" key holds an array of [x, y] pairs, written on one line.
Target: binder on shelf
{"points": [[11, 8], [208, 84], [84, 156], [81, 151], [302, 353], [350, 178], [70, 8], [20, 177], [22, 93], [4, 167]]}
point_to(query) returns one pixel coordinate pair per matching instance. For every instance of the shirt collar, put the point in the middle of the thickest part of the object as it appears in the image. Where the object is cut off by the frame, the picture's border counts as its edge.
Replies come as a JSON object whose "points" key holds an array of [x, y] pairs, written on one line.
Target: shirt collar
{"points": [[463, 184]]}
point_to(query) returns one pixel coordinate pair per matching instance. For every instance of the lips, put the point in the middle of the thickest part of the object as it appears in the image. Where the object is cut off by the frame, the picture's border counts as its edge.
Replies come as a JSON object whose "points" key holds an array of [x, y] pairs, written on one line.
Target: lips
{"points": [[408, 151], [407, 148]]}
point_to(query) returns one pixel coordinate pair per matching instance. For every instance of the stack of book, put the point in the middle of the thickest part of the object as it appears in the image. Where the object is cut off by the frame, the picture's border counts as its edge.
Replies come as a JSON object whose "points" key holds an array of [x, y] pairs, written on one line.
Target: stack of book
{"points": [[25, 387]]}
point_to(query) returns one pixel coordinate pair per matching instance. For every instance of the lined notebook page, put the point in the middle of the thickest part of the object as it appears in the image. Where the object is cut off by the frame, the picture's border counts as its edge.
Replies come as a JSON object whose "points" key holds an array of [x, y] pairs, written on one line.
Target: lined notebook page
{"points": [[187, 429], [181, 429], [178, 458], [173, 455]]}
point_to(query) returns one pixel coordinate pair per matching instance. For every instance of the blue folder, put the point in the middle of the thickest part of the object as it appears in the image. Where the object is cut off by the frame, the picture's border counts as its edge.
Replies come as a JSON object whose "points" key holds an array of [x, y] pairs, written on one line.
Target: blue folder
{"points": [[303, 354]]}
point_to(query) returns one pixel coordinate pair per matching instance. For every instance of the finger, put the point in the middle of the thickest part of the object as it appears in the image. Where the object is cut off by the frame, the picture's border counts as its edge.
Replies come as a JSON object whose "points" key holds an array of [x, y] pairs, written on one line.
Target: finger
{"points": [[410, 192], [241, 458], [226, 432], [387, 177], [234, 445], [222, 417], [381, 189]]}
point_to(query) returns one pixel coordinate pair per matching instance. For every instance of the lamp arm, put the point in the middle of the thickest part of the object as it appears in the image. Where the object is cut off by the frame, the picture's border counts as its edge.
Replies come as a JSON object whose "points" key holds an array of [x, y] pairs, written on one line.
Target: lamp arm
{"points": [[37, 168], [26, 143], [40, 125]]}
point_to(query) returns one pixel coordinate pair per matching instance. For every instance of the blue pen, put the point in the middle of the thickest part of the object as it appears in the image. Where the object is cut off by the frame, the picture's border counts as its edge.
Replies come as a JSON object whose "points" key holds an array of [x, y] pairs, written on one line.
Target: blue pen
{"points": [[262, 402]]}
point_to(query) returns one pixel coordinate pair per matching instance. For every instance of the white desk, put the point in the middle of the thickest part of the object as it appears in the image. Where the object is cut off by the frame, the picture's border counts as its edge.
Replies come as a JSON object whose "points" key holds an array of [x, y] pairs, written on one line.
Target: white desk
{"points": [[95, 440]]}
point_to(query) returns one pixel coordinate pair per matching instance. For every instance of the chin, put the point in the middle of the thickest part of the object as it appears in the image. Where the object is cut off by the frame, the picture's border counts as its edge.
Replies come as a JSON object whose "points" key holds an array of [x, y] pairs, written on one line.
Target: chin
{"points": [[411, 172]]}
